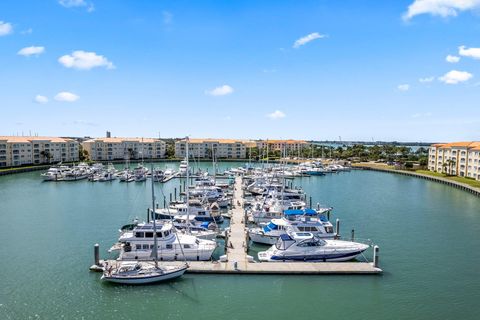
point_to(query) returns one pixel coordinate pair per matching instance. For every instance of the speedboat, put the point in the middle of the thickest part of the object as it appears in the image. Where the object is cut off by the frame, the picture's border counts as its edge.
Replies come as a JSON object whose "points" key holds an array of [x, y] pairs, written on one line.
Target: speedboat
{"points": [[157, 175], [126, 176], [195, 208], [270, 233], [55, 173], [183, 167], [304, 246], [135, 272], [106, 176]]}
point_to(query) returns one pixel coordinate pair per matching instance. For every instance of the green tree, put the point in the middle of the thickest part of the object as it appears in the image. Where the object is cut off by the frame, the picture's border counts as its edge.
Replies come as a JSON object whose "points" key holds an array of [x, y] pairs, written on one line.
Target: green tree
{"points": [[82, 154], [170, 149]]}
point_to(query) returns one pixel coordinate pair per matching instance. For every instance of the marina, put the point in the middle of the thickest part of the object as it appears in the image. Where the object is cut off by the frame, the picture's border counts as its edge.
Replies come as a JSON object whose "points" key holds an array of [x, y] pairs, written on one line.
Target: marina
{"points": [[407, 260], [192, 245]]}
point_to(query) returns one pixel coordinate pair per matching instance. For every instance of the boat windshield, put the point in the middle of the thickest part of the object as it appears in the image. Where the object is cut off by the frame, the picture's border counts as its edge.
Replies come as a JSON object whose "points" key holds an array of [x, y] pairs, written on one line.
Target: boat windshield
{"points": [[284, 242], [269, 227]]}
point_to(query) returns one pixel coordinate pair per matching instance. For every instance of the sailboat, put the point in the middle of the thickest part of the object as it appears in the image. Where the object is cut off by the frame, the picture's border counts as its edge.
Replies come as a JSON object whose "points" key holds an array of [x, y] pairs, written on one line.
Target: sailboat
{"points": [[136, 272]]}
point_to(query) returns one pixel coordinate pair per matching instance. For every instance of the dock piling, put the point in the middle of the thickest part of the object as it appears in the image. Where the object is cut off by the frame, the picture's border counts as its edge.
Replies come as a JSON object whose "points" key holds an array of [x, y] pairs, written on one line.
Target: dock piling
{"points": [[337, 227], [375, 256], [175, 193], [96, 254], [353, 234]]}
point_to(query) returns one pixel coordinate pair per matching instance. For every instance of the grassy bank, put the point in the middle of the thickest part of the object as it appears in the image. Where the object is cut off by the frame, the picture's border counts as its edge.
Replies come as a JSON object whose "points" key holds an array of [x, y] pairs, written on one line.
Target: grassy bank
{"points": [[470, 182], [381, 166]]}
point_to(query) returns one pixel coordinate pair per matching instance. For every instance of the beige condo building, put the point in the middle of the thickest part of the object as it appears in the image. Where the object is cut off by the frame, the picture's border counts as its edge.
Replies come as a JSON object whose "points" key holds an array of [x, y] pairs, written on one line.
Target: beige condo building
{"points": [[290, 146], [17, 151], [222, 148], [124, 148], [456, 158]]}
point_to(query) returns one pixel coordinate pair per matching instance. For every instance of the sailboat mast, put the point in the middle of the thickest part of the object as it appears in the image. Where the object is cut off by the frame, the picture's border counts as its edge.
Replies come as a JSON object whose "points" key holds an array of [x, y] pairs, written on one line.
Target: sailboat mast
{"points": [[214, 166], [267, 153], [155, 245], [187, 189]]}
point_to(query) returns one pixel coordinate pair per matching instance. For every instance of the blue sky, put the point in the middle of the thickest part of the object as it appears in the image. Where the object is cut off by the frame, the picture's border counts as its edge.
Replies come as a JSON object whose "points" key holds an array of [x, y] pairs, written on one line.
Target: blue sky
{"points": [[232, 69]]}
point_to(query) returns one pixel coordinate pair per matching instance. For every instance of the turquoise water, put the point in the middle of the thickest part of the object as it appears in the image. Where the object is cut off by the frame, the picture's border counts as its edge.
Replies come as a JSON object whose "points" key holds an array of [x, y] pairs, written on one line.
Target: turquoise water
{"points": [[428, 235]]}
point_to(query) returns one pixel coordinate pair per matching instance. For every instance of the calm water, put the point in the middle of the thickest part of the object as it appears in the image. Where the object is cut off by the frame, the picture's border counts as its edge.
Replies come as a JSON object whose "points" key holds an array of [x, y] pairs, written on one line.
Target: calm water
{"points": [[429, 236]]}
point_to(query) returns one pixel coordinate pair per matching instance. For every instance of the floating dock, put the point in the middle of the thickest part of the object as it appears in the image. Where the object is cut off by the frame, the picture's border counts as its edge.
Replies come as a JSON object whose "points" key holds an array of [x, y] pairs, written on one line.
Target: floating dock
{"points": [[239, 262]]}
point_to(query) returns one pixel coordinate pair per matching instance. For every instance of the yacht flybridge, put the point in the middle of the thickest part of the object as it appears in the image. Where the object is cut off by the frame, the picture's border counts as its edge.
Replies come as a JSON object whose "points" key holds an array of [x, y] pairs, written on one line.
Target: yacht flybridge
{"points": [[137, 244]]}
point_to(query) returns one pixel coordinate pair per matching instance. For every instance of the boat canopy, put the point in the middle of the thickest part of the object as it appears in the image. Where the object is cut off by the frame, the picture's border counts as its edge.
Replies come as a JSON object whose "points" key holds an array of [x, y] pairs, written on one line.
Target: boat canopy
{"points": [[296, 212]]}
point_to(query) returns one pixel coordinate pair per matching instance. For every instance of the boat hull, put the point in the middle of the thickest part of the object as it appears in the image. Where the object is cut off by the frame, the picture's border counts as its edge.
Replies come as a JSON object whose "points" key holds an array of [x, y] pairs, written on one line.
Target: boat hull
{"points": [[146, 279], [262, 238], [203, 254], [319, 257]]}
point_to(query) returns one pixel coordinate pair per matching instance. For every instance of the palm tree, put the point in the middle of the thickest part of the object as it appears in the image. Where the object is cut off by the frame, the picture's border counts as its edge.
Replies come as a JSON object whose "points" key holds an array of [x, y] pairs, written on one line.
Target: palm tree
{"points": [[46, 155], [444, 167], [450, 163]]}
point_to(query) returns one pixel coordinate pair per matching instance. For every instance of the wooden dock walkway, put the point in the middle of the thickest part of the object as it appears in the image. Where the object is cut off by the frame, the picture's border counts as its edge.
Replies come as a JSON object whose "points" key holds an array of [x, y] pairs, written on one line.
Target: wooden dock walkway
{"points": [[237, 236]]}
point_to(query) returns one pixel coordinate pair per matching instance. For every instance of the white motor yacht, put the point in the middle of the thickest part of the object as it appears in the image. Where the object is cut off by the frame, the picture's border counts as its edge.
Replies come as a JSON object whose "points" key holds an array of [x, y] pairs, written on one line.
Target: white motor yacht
{"points": [[304, 246], [137, 244], [270, 233]]}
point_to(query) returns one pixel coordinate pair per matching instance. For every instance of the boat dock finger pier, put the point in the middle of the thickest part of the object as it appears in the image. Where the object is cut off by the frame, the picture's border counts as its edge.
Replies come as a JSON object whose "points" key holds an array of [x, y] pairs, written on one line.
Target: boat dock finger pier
{"points": [[239, 262]]}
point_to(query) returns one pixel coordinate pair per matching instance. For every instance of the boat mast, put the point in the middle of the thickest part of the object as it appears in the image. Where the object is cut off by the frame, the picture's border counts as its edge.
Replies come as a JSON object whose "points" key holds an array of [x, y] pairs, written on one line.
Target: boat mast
{"points": [[267, 153], [142, 152], [187, 189], [155, 245], [214, 166], [283, 177]]}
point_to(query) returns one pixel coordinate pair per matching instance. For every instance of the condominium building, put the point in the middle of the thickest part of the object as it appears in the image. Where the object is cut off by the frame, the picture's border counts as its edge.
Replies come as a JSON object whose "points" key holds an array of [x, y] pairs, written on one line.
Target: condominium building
{"points": [[124, 148], [221, 148], [456, 158], [290, 146], [17, 151]]}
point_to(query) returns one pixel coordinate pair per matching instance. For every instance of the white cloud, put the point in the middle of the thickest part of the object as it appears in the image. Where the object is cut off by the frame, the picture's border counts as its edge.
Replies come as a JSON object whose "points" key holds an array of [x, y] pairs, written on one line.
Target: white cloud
{"points": [[403, 87], [426, 79], [269, 70], [469, 52], [5, 28], [304, 40], [41, 99], [85, 60], [443, 8], [27, 31], [167, 17], [277, 114], [66, 96], [454, 77], [220, 91], [422, 115], [29, 51], [77, 3], [452, 59]]}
